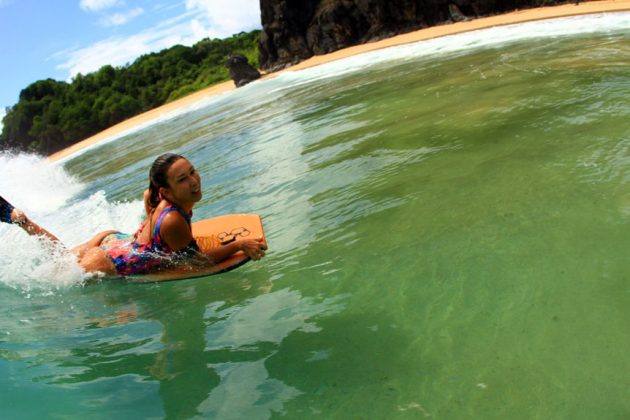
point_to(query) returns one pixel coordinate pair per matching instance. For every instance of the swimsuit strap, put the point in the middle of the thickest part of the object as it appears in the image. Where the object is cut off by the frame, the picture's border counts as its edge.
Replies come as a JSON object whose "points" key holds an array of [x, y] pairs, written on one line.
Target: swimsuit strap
{"points": [[157, 238]]}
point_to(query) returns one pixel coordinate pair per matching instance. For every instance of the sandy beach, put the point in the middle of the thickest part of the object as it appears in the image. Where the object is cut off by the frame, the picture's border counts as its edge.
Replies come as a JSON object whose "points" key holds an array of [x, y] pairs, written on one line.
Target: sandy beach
{"points": [[601, 6]]}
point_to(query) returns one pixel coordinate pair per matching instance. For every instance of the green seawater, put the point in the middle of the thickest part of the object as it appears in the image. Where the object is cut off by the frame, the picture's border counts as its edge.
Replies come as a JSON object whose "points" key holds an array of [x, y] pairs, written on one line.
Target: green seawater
{"points": [[449, 239]]}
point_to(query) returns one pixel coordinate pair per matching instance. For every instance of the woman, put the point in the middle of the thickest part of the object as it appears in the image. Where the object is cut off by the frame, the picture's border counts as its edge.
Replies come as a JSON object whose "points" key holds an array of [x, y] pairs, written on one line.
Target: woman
{"points": [[164, 239]]}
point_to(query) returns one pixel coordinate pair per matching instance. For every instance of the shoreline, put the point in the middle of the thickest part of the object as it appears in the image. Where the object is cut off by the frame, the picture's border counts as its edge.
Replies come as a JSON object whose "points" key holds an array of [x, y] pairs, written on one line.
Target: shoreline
{"points": [[519, 16]]}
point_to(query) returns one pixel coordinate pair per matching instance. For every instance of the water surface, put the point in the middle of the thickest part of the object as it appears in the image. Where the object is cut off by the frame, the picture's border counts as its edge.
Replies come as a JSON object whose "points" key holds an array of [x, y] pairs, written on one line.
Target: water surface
{"points": [[448, 234]]}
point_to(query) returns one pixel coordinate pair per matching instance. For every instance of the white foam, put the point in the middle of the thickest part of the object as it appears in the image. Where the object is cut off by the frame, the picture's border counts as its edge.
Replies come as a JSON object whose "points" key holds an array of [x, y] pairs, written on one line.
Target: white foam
{"points": [[47, 193], [482, 38], [31, 264], [495, 36], [30, 182]]}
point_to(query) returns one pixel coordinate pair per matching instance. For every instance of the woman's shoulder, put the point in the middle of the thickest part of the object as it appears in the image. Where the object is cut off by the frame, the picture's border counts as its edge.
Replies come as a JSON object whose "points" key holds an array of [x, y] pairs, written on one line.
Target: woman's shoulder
{"points": [[170, 215], [174, 228], [174, 215]]}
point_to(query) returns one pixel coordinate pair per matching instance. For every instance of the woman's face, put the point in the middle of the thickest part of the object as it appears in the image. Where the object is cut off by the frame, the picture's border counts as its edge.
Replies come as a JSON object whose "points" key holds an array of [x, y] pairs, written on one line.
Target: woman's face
{"points": [[184, 183]]}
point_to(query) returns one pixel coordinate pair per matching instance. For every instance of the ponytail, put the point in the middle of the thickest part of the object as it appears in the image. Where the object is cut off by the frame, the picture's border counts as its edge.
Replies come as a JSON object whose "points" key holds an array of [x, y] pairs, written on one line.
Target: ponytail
{"points": [[154, 195]]}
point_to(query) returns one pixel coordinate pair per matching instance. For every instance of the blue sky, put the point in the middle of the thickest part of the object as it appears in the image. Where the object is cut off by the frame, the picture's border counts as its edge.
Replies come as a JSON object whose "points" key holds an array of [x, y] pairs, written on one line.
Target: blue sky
{"points": [[60, 38]]}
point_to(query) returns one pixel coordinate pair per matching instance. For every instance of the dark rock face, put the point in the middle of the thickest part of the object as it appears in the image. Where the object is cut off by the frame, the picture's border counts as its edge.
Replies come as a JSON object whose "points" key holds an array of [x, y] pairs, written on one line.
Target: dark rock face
{"points": [[294, 30], [240, 70], [283, 39], [456, 14]]}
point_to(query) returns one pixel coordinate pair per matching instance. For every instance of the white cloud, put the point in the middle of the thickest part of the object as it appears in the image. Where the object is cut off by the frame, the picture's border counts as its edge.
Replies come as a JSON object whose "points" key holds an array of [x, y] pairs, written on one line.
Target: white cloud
{"points": [[98, 5], [109, 51], [3, 112], [227, 17], [118, 19], [209, 18]]}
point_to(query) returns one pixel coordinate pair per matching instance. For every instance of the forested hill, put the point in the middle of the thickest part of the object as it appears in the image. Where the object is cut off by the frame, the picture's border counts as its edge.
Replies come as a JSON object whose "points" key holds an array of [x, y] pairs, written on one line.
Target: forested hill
{"points": [[51, 115]]}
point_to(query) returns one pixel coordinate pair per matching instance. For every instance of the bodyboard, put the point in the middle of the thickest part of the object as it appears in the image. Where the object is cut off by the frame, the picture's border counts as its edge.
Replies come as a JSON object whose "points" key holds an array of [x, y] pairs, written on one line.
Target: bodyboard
{"points": [[212, 233]]}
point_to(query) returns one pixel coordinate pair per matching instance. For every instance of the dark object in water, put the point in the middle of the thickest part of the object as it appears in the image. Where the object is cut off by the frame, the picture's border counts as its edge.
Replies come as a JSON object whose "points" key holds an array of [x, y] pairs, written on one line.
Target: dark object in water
{"points": [[457, 14], [241, 71]]}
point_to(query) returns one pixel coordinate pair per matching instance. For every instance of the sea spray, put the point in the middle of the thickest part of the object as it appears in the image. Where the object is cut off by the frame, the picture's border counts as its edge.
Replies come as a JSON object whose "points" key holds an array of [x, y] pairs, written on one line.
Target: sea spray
{"points": [[462, 43], [30, 182], [48, 195], [35, 264]]}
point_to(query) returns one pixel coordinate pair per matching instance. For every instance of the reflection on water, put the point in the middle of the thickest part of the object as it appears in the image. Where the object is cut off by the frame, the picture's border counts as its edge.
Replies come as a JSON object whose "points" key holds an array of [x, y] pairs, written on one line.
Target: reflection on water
{"points": [[201, 348], [254, 334], [447, 233]]}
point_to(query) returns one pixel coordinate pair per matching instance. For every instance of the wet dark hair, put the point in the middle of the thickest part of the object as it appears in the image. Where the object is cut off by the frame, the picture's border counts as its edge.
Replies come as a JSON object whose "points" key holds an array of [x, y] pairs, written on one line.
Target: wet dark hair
{"points": [[158, 177]]}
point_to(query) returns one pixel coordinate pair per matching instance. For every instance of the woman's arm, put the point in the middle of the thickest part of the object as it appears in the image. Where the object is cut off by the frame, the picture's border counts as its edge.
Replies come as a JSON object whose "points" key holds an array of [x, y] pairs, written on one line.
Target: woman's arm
{"points": [[192, 257], [19, 218], [253, 248], [177, 234]]}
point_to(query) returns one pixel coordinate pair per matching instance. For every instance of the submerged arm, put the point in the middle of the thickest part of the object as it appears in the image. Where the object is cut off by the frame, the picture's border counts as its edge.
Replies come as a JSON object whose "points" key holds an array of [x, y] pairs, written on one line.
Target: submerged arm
{"points": [[192, 256]]}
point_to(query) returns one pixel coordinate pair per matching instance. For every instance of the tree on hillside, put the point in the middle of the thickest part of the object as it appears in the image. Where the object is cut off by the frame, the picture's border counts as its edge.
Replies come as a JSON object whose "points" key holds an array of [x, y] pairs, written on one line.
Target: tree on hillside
{"points": [[51, 115]]}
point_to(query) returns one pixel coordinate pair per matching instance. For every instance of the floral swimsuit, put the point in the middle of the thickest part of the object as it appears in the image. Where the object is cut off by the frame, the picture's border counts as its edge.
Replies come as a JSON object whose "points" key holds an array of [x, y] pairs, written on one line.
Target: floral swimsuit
{"points": [[130, 257]]}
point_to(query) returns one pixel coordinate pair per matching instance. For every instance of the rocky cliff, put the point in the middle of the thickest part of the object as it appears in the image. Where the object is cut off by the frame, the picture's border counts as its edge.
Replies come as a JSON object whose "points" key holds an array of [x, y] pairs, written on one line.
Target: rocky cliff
{"points": [[294, 30]]}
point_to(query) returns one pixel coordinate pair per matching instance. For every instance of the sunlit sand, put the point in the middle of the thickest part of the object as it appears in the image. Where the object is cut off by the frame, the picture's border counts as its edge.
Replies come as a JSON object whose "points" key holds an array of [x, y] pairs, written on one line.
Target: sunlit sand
{"points": [[521, 16]]}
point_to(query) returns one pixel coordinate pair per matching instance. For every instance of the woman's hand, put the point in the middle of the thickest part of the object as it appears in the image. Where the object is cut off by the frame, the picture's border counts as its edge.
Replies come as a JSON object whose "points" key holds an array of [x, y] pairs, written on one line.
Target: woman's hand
{"points": [[253, 248], [19, 217]]}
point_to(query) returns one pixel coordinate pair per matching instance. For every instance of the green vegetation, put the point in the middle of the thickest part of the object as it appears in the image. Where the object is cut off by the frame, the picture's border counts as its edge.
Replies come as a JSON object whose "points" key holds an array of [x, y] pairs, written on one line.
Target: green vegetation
{"points": [[51, 115]]}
